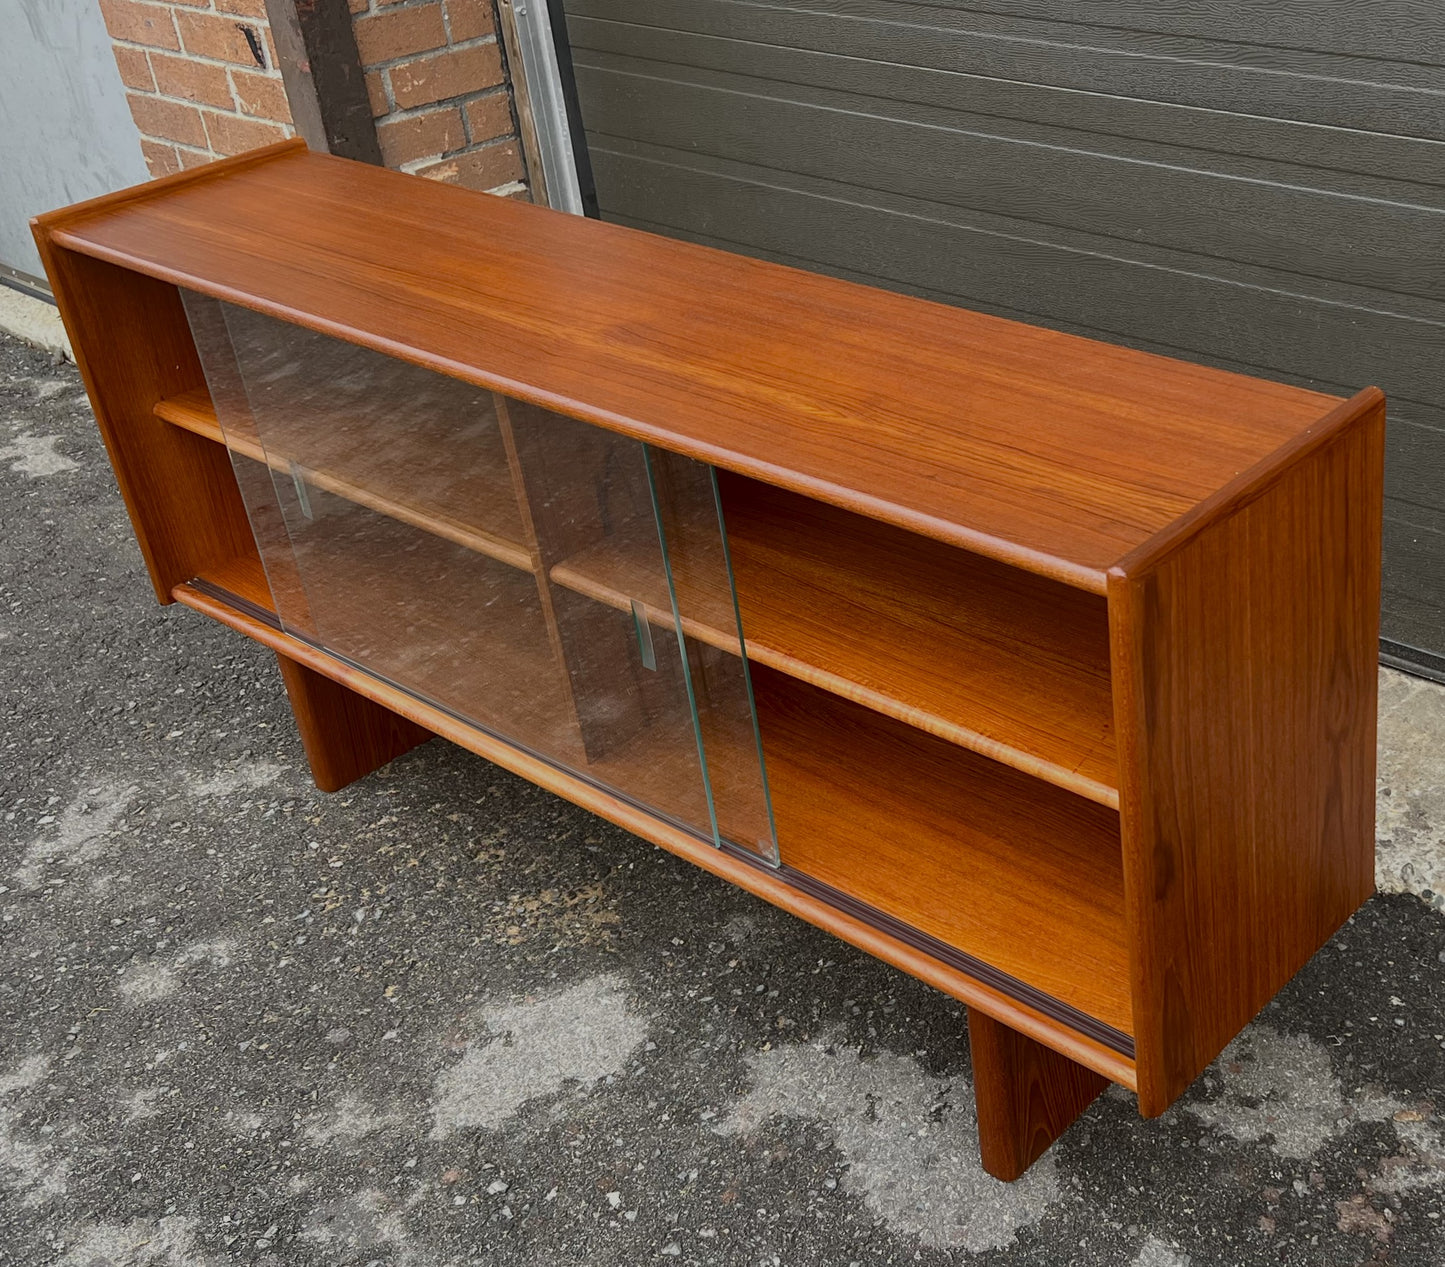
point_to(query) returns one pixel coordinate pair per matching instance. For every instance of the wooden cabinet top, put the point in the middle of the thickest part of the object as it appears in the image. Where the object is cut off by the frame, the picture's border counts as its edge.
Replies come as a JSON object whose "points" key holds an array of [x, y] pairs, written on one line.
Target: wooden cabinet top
{"points": [[1058, 454]]}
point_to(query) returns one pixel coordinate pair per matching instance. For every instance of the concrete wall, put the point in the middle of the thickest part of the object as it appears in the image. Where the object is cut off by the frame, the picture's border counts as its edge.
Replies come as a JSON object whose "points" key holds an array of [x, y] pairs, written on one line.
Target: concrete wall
{"points": [[65, 131]]}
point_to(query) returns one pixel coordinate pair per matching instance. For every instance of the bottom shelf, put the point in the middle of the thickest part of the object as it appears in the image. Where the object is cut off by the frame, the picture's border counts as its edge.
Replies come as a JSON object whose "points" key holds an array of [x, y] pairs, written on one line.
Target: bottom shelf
{"points": [[1013, 872], [1019, 875], [783, 888], [464, 633], [242, 577]]}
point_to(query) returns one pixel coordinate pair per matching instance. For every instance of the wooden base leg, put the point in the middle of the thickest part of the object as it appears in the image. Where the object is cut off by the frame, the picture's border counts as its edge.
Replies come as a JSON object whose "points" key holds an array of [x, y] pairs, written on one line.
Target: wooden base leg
{"points": [[1027, 1095], [346, 735]]}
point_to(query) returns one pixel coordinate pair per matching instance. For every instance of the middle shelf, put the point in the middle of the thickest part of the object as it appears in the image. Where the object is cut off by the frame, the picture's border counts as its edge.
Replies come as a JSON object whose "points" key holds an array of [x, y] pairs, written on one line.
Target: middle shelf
{"points": [[475, 508], [1002, 662], [1005, 663]]}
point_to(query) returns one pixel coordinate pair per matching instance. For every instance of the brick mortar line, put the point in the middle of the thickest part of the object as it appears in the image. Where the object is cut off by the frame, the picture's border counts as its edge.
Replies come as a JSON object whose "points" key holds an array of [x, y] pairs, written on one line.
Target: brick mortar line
{"points": [[401, 6], [157, 95], [462, 46], [208, 154], [235, 19], [270, 72], [236, 92], [174, 6], [446, 103], [189, 8], [238, 19], [410, 167], [204, 105]]}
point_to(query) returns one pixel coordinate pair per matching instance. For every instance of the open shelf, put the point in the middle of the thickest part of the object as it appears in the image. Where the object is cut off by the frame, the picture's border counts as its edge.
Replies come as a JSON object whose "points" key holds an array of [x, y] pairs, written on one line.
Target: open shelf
{"points": [[1000, 661], [1025, 878], [996, 660], [477, 509]]}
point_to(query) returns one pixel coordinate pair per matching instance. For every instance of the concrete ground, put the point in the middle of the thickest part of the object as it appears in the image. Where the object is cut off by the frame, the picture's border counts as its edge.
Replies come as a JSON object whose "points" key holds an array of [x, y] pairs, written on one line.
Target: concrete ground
{"points": [[444, 1018]]}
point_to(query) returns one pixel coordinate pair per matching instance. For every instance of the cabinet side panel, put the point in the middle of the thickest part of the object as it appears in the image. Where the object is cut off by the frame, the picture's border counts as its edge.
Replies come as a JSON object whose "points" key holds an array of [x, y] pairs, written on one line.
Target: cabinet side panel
{"points": [[1245, 696], [134, 348]]}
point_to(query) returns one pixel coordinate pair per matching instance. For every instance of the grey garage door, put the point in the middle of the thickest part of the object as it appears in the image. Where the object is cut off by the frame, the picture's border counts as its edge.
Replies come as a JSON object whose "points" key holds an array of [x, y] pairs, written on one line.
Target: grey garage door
{"points": [[1259, 186]]}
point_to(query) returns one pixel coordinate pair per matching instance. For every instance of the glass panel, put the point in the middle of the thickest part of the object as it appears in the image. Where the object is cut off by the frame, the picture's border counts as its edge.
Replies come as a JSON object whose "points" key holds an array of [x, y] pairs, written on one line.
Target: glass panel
{"points": [[253, 477], [590, 518], [499, 560], [705, 608]]}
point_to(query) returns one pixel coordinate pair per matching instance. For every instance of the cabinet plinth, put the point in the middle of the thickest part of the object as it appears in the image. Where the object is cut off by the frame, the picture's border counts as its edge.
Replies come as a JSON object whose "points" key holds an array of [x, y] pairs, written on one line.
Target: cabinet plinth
{"points": [[1040, 668]]}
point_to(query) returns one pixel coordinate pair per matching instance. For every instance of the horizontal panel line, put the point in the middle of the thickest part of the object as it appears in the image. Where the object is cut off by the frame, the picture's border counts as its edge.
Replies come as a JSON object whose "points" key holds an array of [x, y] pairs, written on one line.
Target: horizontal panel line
{"points": [[1414, 503], [1437, 429], [1038, 242], [1026, 315], [1044, 86], [1062, 20], [1410, 524], [1066, 46], [1030, 316], [1103, 155]]}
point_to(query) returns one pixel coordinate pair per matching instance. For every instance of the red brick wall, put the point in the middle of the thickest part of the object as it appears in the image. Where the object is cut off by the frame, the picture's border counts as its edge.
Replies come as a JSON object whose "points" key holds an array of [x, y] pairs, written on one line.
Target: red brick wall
{"points": [[439, 91], [202, 82], [201, 78]]}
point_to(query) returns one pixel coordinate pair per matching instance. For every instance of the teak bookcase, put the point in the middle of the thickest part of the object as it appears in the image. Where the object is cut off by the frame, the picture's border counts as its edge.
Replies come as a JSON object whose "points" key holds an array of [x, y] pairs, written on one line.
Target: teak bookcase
{"points": [[1038, 667]]}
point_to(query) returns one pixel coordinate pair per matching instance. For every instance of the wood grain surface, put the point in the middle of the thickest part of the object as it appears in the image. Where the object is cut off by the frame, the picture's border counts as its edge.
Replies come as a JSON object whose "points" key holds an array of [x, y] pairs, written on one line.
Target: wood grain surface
{"points": [[1245, 690], [1000, 661], [244, 576], [1027, 1095], [346, 735], [478, 511], [1044, 450], [947, 731], [1024, 876], [133, 348], [192, 411], [989, 657]]}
